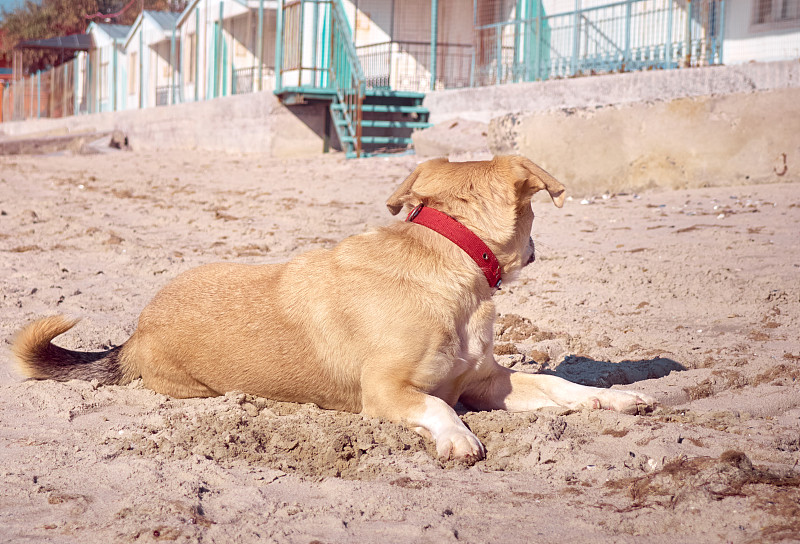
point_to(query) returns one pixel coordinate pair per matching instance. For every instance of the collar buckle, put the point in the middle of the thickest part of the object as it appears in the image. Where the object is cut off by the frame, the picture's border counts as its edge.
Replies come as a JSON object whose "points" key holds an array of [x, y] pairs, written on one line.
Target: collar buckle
{"points": [[414, 213]]}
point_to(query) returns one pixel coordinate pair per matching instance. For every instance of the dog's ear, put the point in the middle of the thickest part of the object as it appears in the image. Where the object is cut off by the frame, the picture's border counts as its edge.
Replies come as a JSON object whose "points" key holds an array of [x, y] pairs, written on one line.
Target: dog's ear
{"points": [[404, 193], [534, 179]]}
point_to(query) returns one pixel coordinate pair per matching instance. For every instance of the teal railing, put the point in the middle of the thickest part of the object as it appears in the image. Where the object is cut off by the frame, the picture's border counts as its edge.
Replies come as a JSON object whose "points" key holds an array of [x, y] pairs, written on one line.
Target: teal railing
{"points": [[618, 36], [315, 55]]}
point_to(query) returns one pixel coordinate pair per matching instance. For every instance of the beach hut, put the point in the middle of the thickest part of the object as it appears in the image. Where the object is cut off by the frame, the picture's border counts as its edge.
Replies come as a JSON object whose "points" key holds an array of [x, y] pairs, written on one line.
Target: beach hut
{"points": [[229, 47], [415, 45], [108, 60], [152, 48], [423, 45]]}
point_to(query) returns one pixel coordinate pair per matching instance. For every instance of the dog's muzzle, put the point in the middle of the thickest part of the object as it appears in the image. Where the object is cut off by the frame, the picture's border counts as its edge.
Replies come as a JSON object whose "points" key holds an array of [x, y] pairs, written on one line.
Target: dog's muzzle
{"points": [[532, 250]]}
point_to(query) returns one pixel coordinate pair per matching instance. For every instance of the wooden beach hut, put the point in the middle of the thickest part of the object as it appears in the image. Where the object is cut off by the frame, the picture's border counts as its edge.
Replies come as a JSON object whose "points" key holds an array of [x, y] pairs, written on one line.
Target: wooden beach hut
{"points": [[229, 47], [107, 62], [152, 49]]}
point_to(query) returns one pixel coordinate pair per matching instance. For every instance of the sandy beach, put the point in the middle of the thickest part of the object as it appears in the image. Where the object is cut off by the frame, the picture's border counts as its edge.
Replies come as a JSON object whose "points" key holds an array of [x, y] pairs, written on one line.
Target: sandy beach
{"points": [[689, 295]]}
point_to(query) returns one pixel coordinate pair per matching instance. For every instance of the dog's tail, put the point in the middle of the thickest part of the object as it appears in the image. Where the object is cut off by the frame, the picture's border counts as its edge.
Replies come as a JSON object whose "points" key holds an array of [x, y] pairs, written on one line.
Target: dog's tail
{"points": [[38, 358]]}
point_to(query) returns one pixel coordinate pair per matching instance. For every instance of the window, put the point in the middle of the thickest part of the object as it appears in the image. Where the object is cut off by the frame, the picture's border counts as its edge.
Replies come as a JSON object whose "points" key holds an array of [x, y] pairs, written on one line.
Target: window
{"points": [[133, 72], [192, 52], [240, 49], [104, 81], [776, 14]]}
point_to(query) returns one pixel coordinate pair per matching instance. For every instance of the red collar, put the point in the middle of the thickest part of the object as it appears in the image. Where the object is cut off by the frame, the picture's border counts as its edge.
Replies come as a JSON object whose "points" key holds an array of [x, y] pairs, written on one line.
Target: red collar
{"points": [[460, 236]]}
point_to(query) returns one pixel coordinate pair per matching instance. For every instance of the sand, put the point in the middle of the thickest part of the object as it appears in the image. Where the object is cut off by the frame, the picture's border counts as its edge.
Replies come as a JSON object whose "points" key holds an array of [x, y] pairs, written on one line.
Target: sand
{"points": [[691, 296]]}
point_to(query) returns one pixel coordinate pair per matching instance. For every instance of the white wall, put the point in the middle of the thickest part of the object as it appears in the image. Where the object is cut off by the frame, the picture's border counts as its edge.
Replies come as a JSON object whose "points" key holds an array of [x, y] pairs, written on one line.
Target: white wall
{"points": [[104, 54], [746, 41], [239, 32], [249, 123], [380, 21]]}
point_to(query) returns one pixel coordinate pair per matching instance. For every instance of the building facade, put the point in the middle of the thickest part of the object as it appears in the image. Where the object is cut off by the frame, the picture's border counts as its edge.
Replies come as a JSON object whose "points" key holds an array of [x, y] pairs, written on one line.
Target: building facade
{"points": [[217, 48]]}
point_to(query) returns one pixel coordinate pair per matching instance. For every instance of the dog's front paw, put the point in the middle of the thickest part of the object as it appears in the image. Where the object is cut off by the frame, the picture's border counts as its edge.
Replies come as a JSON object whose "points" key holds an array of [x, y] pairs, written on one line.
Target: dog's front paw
{"points": [[460, 445], [627, 402]]}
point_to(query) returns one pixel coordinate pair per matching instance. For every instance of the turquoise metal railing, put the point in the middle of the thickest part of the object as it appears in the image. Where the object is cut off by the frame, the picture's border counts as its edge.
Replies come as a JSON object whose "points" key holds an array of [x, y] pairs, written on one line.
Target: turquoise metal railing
{"points": [[314, 52], [243, 80], [402, 65], [346, 73], [621, 36]]}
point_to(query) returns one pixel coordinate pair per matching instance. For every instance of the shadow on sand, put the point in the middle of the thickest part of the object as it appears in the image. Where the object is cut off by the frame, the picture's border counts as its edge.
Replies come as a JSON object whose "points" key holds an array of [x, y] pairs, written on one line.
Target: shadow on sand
{"points": [[587, 371]]}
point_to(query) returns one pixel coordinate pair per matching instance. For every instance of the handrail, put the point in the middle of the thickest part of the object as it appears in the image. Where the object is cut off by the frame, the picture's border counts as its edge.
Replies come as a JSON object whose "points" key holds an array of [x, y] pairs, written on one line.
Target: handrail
{"points": [[587, 9], [396, 64], [334, 64], [340, 19], [409, 42], [589, 23], [348, 76]]}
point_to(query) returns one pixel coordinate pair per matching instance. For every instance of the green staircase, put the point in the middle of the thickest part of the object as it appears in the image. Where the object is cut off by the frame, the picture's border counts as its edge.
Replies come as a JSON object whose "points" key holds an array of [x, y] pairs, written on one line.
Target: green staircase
{"points": [[387, 120], [314, 45]]}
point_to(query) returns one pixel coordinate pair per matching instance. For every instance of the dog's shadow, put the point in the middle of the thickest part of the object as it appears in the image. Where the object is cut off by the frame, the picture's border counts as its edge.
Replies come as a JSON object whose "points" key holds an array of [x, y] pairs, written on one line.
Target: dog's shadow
{"points": [[588, 371]]}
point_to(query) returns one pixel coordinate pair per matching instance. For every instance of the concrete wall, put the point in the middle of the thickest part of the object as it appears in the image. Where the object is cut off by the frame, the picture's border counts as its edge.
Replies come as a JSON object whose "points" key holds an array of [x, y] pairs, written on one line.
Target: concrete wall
{"points": [[653, 135], [723, 125], [688, 142], [485, 103], [256, 123]]}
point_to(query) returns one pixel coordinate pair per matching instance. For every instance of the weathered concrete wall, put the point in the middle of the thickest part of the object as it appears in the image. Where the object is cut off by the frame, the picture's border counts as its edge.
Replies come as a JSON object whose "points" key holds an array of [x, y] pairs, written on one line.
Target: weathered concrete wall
{"points": [[256, 123], [741, 123], [688, 142], [485, 103]]}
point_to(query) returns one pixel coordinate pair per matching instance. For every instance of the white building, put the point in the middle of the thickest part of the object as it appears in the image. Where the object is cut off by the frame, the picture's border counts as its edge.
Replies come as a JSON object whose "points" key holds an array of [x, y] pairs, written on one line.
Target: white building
{"points": [[761, 30], [229, 47], [106, 68], [153, 56]]}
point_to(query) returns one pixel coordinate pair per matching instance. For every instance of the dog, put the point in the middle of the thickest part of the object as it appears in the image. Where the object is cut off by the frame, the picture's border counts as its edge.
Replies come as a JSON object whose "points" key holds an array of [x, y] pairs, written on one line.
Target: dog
{"points": [[395, 323]]}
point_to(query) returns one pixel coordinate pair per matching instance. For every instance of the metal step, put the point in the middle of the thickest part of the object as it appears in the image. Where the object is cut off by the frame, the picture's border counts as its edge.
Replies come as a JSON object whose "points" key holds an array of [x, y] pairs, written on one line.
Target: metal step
{"points": [[385, 108], [293, 96], [395, 94], [366, 154], [378, 104], [379, 140], [372, 123]]}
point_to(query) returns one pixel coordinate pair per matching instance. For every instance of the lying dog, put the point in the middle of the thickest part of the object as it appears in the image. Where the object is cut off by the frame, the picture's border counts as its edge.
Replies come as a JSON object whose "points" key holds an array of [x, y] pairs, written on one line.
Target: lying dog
{"points": [[396, 323]]}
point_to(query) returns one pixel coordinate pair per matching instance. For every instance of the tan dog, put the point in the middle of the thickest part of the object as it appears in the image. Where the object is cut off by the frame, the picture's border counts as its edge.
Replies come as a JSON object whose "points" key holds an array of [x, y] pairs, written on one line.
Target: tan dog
{"points": [[396, 323]]}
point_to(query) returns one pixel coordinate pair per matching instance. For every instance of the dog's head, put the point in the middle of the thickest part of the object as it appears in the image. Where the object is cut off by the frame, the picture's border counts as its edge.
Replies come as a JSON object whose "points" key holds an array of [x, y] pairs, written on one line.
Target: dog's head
{"points": [[491, 198]]}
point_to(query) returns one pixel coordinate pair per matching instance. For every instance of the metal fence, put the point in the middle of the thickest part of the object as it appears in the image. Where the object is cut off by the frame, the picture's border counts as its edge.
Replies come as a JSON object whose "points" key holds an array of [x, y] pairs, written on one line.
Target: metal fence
{"points": [[405, 65], [51, 93], [244, 80], [617, 37], [162, 94], [622, 36]]}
